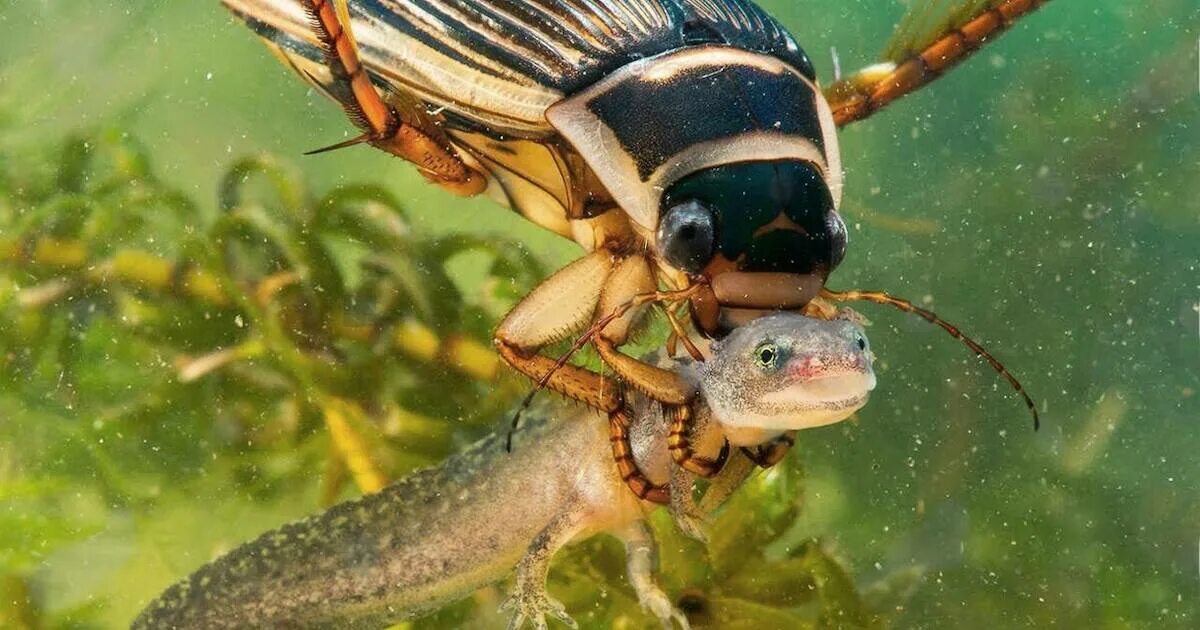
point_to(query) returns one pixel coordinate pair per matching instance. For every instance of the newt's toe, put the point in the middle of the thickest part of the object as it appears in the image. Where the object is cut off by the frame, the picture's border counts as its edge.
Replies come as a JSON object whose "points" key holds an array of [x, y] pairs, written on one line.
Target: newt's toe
{"points": [[526, 605]]}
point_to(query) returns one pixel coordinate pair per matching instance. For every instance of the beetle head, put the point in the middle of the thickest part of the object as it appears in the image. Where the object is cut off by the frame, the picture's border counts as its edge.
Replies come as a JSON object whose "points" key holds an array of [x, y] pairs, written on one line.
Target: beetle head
{"points": [[736, 223]]}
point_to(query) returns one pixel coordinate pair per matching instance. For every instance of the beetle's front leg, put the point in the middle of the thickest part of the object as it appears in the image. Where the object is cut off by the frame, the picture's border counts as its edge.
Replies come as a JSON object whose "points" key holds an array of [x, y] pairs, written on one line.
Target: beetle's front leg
{"points": [[772, 452], [631, 277], [563, 304]]}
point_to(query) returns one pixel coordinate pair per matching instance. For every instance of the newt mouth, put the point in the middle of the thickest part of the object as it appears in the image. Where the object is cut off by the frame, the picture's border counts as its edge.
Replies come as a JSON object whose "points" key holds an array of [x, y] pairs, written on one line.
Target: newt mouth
{"points": [[793, 408], [827, 389]]}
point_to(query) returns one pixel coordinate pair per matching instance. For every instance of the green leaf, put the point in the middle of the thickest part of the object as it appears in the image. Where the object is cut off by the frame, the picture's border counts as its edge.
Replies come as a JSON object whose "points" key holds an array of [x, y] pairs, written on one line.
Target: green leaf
{"points": [[765, 507]]}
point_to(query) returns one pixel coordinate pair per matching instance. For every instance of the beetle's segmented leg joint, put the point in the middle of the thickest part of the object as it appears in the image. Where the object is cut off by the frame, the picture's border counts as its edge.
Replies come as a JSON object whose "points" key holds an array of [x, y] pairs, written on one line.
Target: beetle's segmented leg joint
{"points": [[627, 468], [679, 444], [772, 453]]}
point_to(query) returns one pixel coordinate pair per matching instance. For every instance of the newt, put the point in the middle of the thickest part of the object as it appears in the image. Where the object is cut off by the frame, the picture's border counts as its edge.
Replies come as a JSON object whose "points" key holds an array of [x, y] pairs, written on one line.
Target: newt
{"points": [[446, 531]]}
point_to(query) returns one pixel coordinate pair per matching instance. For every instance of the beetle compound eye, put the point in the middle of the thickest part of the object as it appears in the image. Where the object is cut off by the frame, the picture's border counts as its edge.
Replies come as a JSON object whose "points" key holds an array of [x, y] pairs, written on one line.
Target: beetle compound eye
{"points": [[767, 355], [686, 236], [836, 228]]}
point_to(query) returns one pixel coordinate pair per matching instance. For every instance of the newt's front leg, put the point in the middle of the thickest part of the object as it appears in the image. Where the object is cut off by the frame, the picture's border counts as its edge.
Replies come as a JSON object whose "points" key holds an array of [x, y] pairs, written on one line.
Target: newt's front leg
{"points": [[641, 561], [699, 448], [692, 518]]}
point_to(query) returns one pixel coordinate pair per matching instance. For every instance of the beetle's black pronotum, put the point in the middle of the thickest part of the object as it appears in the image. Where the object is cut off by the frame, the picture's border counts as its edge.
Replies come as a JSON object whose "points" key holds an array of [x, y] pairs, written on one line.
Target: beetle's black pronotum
{"points": [[686, 145]]}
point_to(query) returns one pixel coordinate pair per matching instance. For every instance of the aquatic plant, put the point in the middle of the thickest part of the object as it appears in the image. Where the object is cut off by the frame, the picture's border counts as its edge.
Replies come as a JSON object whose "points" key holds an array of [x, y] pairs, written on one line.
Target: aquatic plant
{"points": [[157, 347]]}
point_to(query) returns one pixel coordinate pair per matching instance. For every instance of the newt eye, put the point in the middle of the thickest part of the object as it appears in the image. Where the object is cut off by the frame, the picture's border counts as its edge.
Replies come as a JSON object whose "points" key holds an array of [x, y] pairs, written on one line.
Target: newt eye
{"points": [[767, 355]]}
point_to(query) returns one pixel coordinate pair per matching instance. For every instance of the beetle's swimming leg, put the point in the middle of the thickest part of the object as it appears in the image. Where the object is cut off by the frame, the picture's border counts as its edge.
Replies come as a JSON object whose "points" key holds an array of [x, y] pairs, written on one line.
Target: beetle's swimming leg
{"points": [[871, 89], [529, 600], [382, 125], [641, 561]]}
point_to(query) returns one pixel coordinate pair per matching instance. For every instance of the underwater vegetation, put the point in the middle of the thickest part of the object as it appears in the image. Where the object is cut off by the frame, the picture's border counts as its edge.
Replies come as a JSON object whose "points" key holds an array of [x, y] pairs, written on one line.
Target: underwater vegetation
{"points": [[269, 337], [194, 351]]}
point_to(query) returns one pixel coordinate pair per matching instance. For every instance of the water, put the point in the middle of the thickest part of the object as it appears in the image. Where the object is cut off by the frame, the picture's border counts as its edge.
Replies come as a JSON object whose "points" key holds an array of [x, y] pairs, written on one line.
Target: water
{"points": [[1044, 197]]}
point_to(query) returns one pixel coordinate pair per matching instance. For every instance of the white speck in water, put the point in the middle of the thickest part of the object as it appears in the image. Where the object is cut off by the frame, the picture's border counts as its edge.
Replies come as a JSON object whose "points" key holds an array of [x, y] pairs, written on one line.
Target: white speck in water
{"points": [[238, 321]]}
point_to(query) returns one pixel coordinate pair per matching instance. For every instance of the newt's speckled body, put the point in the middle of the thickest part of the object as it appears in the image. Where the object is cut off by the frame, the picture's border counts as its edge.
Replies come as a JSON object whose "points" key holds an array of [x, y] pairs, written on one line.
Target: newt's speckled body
{"points": [[444, 532], [426, 540]]}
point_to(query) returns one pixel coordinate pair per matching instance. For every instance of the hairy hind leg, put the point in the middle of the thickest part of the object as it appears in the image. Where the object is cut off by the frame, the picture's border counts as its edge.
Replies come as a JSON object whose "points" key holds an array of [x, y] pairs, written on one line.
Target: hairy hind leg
{"points": [[411, 136], [871, 89]]}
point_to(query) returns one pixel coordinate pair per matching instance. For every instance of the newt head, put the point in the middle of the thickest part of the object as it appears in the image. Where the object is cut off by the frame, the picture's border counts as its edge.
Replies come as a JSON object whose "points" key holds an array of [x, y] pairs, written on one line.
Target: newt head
{"points": [[784, 372]]}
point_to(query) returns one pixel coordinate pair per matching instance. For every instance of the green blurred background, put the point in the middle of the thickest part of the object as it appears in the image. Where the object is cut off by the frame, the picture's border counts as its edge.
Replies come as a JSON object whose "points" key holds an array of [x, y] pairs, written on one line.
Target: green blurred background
{"points": [[1045, 197]]}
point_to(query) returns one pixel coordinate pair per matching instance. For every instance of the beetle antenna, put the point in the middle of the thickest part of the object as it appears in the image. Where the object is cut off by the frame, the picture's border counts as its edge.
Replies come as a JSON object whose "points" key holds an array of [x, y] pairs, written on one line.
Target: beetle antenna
{"points": [[879, 297], [588, 335]]}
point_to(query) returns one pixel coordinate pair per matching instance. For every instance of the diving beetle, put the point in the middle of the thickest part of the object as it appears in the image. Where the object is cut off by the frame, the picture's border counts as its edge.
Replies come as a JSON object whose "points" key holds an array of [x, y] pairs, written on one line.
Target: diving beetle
{"points": [[685, 145]]}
